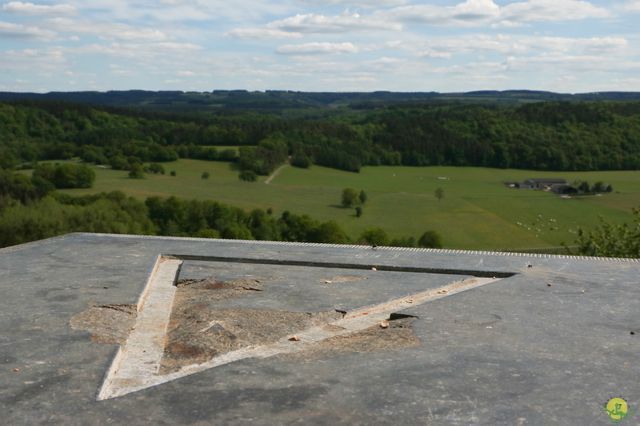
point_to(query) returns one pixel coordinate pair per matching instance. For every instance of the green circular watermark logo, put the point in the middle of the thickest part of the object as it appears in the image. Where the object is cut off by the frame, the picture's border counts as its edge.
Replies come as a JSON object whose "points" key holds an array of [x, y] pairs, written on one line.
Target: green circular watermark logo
{"points": [[617, 409]]}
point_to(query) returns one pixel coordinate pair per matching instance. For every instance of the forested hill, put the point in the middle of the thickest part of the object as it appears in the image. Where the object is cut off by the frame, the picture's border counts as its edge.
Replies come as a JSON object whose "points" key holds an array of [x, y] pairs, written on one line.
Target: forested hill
{"points": [[279, 100], [554, 135]]}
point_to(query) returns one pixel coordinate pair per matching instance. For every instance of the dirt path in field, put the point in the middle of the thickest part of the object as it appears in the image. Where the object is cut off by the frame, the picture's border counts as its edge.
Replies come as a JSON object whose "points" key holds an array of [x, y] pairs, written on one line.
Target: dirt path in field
{"points": [[275, 173]]}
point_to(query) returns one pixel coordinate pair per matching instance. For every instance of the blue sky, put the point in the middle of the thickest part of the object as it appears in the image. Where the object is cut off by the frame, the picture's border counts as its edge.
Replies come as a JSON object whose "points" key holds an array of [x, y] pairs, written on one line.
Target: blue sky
{"points": [[313, 45]]}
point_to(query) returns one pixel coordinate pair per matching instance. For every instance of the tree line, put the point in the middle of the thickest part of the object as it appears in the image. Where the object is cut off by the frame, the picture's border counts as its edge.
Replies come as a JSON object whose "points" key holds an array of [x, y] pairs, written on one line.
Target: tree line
{"points": [[558, 136], [31, 209]]}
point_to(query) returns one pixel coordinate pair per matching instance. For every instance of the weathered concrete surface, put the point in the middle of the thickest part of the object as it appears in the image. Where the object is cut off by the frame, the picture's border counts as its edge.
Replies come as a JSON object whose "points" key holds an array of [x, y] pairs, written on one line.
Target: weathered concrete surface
{"points": [[549, 345]]}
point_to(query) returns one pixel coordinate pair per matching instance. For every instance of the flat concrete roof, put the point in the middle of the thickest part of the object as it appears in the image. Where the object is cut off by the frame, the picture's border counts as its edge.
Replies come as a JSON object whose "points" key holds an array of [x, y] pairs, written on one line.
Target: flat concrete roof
{"points": [[385, 336]]}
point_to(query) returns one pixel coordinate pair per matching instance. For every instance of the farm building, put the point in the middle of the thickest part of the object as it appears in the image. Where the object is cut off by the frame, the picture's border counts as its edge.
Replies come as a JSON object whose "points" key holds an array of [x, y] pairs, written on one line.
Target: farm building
{"points": [[544, 183], [538, 184]]}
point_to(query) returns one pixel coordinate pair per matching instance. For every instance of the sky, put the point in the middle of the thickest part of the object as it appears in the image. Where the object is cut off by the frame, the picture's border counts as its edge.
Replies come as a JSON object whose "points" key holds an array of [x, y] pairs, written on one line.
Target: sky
{"points": [[565, 46]]}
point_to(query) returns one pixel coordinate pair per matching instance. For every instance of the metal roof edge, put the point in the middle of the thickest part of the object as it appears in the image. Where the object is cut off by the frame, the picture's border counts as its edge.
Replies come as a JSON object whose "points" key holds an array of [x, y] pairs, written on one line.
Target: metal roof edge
{"points": [[356, 247]]}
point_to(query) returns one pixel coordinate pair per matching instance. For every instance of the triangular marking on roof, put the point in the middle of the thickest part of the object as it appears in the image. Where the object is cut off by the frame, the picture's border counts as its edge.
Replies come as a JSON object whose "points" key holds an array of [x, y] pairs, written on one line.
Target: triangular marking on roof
{"points": [[136, 366]]}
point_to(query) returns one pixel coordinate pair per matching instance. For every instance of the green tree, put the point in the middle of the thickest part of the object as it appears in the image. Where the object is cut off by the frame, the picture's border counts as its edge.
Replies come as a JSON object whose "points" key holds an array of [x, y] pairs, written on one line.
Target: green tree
{"points": [[300, 160], [66, 175], [349, 197], [362, 197], [156, 168], [584, 187], [264, 158], [358, 211], [430, 239], [207, 233], [136, 171], [228, 155], [403, 242], [329, 232], [248, 176], [610, 240], [119, 163], [374, 236]]}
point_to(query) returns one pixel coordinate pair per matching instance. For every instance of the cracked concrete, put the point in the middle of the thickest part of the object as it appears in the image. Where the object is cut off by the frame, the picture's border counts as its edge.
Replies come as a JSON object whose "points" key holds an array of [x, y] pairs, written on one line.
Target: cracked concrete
{"points": [[107, 323]]}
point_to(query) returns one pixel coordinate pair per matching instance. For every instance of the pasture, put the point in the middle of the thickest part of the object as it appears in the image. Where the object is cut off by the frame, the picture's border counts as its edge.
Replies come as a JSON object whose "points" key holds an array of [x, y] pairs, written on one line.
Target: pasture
{"points": [[477, 211]]}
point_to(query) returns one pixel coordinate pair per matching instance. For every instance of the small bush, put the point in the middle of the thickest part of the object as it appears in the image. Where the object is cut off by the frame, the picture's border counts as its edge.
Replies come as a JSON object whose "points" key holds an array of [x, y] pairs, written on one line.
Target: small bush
{"points": [[248, 176], [375, 236], [430, 239], [136, 171], [208, 233], [156, 168], [362, 197], [403, 242]]}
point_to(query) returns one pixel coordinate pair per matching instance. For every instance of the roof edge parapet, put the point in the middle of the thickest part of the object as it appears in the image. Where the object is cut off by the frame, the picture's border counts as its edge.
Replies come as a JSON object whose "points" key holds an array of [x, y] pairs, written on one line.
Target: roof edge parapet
{"points": [[344, 246]]}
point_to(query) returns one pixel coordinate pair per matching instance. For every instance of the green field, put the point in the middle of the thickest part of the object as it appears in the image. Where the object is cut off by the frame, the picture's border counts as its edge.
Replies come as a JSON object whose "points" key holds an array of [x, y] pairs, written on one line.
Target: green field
{"points": [[478, 211]]}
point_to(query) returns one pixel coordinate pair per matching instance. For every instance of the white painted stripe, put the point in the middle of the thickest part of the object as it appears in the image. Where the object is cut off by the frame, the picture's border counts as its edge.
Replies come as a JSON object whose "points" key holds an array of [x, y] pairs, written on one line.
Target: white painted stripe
{"points": [[142, 353]]}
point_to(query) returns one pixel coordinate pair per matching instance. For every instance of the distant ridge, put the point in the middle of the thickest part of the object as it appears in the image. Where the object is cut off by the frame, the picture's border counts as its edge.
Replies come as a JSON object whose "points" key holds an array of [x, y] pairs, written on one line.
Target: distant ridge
{"points": [[284, 99]]}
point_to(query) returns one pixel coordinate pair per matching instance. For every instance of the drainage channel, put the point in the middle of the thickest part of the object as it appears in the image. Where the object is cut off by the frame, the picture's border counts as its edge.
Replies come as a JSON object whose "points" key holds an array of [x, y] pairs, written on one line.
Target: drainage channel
{"points": [[338, 265]]}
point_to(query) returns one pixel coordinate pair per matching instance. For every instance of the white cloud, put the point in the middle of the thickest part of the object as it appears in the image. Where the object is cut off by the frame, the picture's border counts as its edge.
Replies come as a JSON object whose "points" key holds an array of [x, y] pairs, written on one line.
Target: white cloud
{"points": [[302, 44], [184, 10], [261, 33], [549, 64], [356, 3], [149, 53], [463, 47], [105, 30], [38, 9], [631, 6], [488, 12], [552, 10], [346, 22], [317, 48], [468, 12], [11, 30], [28, 60]]}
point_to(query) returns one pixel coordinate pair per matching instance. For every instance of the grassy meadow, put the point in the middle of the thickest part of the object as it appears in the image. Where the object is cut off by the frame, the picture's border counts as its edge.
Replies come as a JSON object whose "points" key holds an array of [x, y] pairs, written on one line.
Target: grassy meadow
{"points": [[477, 212]]}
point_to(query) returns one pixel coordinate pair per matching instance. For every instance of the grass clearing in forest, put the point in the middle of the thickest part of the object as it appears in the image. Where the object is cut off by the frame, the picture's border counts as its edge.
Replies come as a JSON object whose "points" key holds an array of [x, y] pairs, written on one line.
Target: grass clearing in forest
{"points": [[477, 211]]}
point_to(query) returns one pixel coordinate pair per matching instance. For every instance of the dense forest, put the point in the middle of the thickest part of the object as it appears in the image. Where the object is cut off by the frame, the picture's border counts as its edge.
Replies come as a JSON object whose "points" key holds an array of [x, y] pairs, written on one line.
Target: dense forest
{"points": [[541, 136]]}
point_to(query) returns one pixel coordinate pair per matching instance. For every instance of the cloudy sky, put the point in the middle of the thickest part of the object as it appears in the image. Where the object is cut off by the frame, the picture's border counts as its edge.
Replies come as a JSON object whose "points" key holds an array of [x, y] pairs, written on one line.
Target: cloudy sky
{"points": [[315, 45]]}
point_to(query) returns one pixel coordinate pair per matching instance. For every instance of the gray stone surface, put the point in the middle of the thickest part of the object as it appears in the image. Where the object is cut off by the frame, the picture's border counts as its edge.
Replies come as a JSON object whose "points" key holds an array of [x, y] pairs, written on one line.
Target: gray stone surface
{"points": [[549, 345]]}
